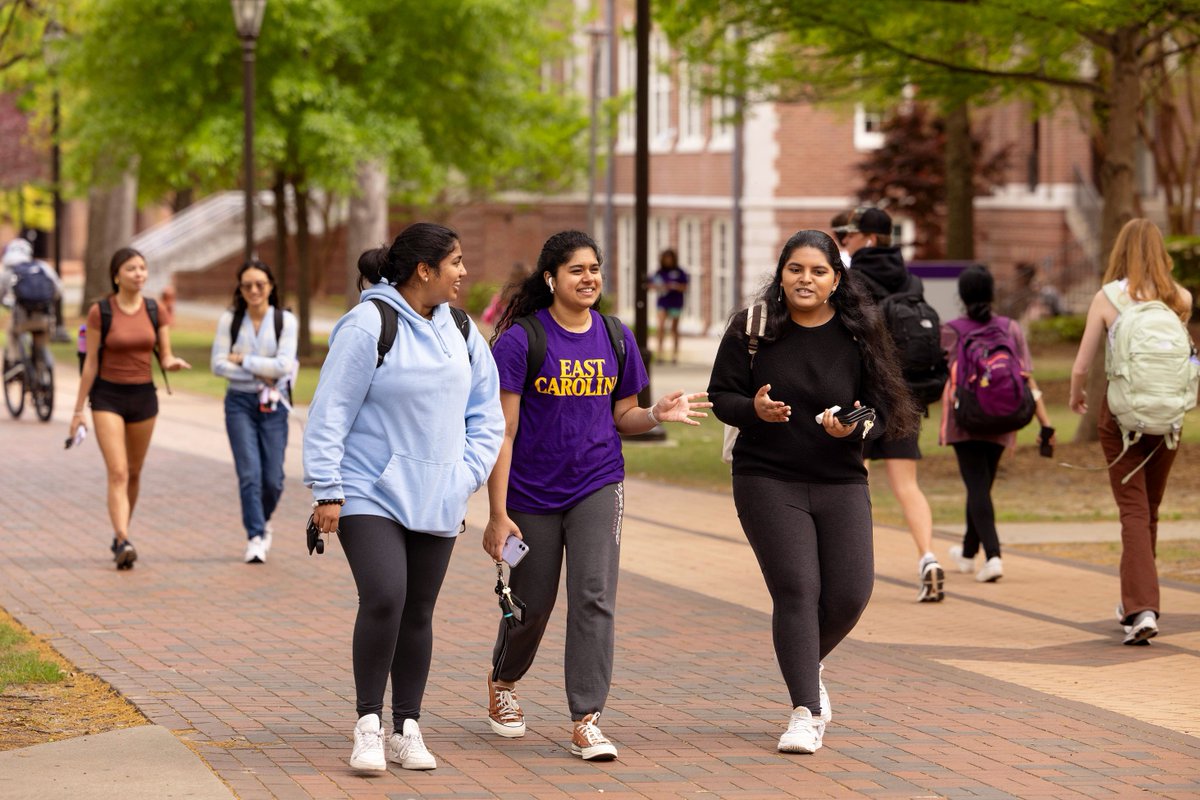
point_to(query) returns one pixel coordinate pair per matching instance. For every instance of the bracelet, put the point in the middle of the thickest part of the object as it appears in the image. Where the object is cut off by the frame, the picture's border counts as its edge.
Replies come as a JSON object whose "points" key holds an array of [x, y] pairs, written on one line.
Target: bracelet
{"points": [[650, 414], [329, 501]]}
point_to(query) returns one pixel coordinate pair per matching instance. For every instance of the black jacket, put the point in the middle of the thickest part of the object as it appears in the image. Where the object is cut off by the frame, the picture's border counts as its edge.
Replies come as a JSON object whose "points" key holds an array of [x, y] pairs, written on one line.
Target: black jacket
{"points": [[884, 269]]}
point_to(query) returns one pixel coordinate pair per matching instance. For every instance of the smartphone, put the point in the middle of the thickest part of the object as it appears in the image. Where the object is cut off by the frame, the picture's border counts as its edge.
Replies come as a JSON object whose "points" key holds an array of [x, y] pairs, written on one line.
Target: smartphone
{"points": [[514, 550], [77, 439], [855, 414]]}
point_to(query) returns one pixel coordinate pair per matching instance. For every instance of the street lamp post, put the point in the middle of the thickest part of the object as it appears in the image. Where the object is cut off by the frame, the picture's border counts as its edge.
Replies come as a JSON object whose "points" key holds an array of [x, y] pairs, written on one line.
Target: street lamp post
{"points": [[248, 15], [52, 39]]}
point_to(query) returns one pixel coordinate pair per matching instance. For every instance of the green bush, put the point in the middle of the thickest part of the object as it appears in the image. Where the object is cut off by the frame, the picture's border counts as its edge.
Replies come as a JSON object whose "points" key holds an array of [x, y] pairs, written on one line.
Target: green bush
{"points": [[479, 295], [1066, 329], [1185, 250]]}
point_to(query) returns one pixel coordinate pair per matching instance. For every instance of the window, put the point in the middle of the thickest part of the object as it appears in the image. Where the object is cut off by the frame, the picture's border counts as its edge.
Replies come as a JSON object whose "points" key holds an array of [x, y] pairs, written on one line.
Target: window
{"points": [[868, 128], [689, 259], [691, 116], [661, 132], [627, 87], [722, 109], [724, 293], [625, 295]]}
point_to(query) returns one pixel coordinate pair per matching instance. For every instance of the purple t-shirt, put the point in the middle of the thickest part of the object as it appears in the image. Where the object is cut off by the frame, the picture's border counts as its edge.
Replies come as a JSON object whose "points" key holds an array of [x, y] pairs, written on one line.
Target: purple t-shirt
{"points": [[567, 444]]}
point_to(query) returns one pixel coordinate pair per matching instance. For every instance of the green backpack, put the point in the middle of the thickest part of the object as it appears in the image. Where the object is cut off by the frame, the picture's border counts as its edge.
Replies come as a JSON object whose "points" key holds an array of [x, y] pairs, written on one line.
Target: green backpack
{"points": [[1152, 369]]}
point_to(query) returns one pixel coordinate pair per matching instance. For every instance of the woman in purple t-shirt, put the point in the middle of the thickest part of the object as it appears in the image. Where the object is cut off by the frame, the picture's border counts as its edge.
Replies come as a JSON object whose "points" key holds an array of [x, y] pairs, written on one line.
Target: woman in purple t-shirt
{"points": [[558, 481]]}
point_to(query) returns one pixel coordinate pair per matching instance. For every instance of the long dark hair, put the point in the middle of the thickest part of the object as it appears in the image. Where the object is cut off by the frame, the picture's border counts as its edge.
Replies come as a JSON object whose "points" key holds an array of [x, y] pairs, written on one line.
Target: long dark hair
{"points": [[884, 387], [239, 302], [120, 257], [420, 243], [534, 292], [977, 290]]}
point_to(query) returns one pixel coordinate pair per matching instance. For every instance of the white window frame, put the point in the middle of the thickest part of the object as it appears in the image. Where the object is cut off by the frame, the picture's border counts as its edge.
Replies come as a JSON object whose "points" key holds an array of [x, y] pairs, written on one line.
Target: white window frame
{"points": [[691, 113], [724, 293], [722, 108], [690, 254], [626, 294], [662, 135], [868, 128], [626, 87]]}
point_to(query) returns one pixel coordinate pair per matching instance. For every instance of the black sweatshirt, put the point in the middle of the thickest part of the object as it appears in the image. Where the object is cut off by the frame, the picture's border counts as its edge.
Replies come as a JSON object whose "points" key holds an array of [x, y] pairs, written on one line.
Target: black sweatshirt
{"points": [[810, 369]]}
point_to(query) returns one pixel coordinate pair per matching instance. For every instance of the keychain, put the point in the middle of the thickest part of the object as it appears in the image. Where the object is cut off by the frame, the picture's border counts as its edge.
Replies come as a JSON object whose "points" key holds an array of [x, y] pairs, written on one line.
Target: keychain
{"points": [[511, 607]]}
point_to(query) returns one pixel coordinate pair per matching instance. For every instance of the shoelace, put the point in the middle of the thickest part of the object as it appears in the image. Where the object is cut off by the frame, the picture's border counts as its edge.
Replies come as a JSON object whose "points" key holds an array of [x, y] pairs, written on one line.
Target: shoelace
{"points": [[591, 732], [412, 743], [506, 705], [798, 724], [369, 739]]}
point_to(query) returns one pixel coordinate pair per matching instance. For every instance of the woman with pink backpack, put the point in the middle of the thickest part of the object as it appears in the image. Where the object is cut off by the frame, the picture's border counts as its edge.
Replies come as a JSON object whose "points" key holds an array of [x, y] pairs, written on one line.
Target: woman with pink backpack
{"points": [[991, 395]]}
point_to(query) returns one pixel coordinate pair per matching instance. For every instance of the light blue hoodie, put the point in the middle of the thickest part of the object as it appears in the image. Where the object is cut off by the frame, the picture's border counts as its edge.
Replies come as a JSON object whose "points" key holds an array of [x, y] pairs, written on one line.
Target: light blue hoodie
{"points": [[413, 439]]}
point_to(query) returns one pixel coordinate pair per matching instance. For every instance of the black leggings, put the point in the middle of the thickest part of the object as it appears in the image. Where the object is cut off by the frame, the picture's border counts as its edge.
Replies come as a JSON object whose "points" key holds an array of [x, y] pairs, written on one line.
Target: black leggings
{"points": [[814, 545], [977, 463], [398, 574]]}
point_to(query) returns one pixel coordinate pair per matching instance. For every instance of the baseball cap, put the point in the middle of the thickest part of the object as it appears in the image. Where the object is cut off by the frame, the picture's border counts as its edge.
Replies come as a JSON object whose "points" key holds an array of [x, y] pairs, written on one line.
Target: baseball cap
{"points": [[868, 219]]}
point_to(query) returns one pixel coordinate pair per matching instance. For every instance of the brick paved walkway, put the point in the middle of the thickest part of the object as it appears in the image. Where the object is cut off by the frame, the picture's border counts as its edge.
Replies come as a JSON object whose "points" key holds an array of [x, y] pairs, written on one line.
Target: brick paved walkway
{"points": [[1015, 689]]}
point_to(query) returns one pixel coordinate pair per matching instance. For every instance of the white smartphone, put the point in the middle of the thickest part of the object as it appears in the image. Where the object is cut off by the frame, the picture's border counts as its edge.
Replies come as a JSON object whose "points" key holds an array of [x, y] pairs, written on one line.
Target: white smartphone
{"points": [[821, 416], [514, 550]]}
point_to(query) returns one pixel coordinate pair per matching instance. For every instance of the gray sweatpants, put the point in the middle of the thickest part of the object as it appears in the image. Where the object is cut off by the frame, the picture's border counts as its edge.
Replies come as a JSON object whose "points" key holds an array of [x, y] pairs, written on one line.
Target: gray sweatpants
{"points": [[590, 535], [813, 542]]}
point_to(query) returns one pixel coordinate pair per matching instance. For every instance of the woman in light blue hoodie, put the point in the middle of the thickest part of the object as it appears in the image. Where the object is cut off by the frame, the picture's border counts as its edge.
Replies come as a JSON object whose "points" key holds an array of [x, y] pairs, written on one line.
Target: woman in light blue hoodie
{"points": [[398, 437]]}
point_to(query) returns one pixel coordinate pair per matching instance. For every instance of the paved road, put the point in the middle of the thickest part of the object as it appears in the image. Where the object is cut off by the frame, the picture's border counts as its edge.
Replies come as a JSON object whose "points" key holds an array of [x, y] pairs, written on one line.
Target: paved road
{"points": [[1014, 689]]}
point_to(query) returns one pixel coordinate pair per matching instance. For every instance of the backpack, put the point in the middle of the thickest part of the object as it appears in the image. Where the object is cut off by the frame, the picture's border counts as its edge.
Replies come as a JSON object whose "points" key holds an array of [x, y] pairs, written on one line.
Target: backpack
{"points": [[34, 290], [990, 394], [535, 355], [1152, 371], [390, 325], [756, 327], [917, 333], [106, 315]]}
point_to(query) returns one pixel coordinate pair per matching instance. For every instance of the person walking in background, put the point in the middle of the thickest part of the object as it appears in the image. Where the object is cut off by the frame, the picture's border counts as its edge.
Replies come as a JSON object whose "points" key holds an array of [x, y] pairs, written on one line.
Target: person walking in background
{"points": [[800, 487], [124, 332], [671, 282], [557, 483], [839, 225], [875, 260], [29, 287], [255, 349], [405, 425], [499, 301], [978, 454], [1138, 292]]}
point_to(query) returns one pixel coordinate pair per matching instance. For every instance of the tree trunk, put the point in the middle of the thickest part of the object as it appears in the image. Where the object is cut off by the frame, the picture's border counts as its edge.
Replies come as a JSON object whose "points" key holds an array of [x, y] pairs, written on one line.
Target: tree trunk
{"points": [[110, 226], [367, 225], [960, 184], [1116, 186], [303, 252], [279, 189], [182, 199]]}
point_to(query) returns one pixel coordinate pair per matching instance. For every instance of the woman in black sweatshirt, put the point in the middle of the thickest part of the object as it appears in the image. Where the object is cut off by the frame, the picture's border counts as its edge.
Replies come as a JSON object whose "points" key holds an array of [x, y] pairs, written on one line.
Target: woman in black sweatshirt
{"points": [[799, 483]]}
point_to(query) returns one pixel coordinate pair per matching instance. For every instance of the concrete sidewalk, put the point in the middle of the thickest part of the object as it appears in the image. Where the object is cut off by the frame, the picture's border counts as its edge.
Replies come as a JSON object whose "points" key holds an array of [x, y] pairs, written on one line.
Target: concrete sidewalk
{"points": [[1014, 689]]}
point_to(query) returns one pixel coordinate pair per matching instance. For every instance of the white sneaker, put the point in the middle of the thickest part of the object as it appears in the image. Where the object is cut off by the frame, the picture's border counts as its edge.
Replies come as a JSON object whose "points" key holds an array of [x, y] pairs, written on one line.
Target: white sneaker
{"points": [[589, 743], [965, 565], [826, 708], [409, 750], [803, 734], [368, 745], [992, 571], [267, 534], [933, 577], [255, 552], [1143, 629]]}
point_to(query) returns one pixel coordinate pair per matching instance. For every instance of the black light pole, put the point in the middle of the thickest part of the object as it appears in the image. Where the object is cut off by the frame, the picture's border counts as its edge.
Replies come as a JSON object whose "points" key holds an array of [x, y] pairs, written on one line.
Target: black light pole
{"points": [[247, 15], [52, 54]]}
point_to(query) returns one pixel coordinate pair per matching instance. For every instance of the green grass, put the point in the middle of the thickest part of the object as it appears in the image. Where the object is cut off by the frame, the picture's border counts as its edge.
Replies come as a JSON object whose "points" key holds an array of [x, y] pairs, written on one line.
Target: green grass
{"points": [[19, 664]]}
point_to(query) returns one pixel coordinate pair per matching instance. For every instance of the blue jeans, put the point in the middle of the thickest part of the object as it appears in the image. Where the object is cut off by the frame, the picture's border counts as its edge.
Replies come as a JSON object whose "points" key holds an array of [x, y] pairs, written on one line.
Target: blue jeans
{"points": [[258, 440]]}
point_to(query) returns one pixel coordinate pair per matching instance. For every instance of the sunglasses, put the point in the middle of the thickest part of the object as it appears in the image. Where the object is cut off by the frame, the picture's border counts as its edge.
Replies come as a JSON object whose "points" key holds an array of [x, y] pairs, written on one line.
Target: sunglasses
{"points": [[262, 286]]}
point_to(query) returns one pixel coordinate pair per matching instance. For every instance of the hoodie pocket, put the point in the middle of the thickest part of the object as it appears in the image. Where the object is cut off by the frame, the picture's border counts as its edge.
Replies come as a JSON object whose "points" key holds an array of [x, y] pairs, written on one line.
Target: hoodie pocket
{"points": [[424, 495]]}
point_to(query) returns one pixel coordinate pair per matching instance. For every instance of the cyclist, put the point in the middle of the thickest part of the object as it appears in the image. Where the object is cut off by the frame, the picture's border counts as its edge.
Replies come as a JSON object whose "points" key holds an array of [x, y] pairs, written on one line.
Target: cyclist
{"points": [[29, 287]]}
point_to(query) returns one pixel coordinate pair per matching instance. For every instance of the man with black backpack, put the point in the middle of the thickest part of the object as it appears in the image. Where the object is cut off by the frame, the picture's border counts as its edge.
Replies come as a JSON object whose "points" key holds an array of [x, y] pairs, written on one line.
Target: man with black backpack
{"points": [[916, 331], [29, 287]]}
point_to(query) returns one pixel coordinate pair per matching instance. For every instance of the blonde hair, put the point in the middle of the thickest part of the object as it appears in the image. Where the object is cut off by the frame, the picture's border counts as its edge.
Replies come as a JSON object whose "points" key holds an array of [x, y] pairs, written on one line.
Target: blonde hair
{"points": [[1140, 256]]}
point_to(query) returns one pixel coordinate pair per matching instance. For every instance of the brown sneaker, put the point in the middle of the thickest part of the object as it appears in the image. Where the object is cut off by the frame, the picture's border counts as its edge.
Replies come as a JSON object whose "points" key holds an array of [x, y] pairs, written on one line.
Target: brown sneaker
{"points": [[589, 743], [504, 713]]}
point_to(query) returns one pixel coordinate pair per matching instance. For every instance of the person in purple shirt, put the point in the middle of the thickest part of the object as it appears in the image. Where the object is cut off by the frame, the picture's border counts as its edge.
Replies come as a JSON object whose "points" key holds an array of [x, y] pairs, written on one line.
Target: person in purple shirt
{"points": [[558, 481], [671, 281]]}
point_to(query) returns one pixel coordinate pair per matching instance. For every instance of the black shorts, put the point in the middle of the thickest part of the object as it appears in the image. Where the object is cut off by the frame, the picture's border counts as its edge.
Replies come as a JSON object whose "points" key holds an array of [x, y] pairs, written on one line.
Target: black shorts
{"points": [[133, 402], [908, 447]]}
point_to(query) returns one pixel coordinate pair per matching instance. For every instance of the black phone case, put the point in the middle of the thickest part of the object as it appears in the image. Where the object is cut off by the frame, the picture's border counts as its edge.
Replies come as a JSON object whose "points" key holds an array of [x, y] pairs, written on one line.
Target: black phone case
{"points": [[855, 415]]}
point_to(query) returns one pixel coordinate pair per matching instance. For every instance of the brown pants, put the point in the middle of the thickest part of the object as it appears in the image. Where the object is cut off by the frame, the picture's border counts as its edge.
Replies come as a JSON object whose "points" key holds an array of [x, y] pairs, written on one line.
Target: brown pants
{"points": [[1137, 502]]}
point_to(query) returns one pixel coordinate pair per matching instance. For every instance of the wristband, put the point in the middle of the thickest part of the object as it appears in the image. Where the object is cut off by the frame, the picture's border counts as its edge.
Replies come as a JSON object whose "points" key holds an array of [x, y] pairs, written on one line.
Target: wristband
{"points": [[650, 414], [329, 501]]}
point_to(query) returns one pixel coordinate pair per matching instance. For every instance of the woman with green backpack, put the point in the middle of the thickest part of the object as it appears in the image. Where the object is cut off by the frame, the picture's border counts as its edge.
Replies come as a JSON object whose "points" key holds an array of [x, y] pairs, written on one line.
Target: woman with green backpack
{"points": [[1141, 313]]}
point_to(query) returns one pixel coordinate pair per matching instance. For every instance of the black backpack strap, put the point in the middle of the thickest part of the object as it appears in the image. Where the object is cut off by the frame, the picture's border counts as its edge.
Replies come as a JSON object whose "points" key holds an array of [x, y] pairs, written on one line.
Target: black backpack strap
{"points": [[463, 321], [278, 326], [616, 336], [152, 312], [536, 352], [105, 325], [387, 332], [756, 327]]}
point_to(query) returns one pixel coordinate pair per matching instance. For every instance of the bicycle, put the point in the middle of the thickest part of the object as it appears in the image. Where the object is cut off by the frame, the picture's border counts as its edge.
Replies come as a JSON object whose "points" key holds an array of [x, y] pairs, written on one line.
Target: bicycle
{"points": [[32, 374]]}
